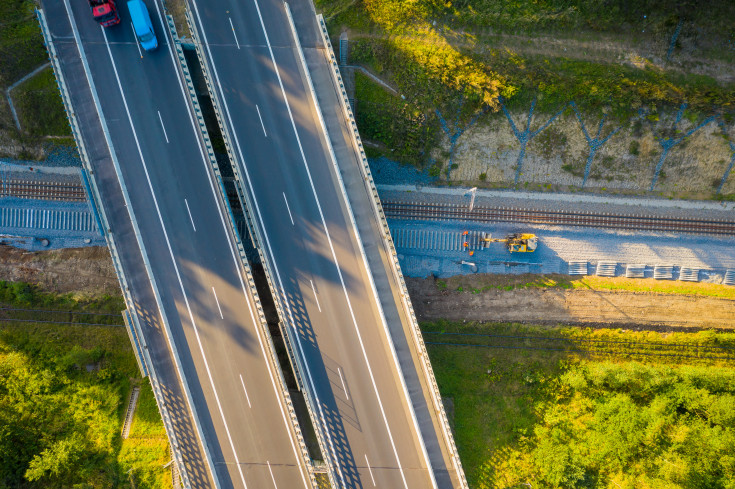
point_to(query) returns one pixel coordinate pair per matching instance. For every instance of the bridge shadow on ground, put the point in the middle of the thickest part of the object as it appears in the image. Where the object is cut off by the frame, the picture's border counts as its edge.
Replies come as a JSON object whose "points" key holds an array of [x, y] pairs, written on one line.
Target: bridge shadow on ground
{"points": [[173, 400]]}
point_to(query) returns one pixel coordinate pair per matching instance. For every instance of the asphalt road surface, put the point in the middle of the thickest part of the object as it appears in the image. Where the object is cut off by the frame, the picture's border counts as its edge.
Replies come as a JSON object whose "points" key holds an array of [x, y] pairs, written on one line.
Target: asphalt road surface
{"points": [[311, 247], [208, 307]]}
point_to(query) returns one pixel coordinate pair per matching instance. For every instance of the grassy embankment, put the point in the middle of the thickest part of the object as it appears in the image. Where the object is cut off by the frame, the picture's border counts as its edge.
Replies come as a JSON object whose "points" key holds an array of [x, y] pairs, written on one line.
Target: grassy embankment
{"points": [[63, 395], [459, 57], [573, 407], [476, 284], [37, 101]]}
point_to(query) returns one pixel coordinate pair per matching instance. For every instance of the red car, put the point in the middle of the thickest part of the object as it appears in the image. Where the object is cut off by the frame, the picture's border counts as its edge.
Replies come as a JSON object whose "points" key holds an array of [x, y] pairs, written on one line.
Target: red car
{"points": [[104, 12]]}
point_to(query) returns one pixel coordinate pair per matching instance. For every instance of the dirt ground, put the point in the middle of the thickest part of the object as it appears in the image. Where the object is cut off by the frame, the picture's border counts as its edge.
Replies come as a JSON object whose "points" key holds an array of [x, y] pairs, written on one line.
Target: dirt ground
{"points": [[87, 272], [554, 305]]}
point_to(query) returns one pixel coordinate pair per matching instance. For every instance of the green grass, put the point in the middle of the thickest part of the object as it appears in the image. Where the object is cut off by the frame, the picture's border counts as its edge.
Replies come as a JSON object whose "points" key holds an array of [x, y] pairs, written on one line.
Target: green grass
{"points": [[146, 449], [404, 130], [21, 294], [21, 43], [63, 393], [504, 396], [655, 286], [39, 106], [481, 283], [610, 16], [595, 86], [450, 57]]}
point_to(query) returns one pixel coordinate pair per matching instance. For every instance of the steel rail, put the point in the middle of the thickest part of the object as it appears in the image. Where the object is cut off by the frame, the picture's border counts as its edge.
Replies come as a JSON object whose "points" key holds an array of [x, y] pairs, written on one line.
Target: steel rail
{"points": [[639, 222], [45, 190]]}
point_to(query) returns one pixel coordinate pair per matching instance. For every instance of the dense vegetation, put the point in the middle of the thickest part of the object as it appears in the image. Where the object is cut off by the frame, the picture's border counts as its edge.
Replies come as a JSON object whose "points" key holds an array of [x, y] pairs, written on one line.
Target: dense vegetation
{"points": [[21, 43], [464, 55], [568, 407], [63, 392], [476, 284], [39, 106], [37, 101]]}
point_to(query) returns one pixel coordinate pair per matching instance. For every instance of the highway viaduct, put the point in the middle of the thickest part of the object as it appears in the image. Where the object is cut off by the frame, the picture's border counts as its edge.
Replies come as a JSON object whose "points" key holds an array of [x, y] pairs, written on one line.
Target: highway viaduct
{"points": [[318, 226]]}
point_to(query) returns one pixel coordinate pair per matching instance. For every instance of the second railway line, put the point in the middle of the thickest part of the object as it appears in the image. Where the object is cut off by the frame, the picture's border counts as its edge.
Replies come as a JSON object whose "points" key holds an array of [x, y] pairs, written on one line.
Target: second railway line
{"points": [[450, 212], [44, 190], [74, 192]]}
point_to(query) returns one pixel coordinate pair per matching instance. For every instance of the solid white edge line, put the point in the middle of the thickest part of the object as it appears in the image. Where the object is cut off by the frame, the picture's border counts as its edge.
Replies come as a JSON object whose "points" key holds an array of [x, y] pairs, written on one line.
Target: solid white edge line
{"points": [[217, 301], [344, 388], [135, 36], [247, 397], [233, 33], [141, 244], [368, 271], [270, 251], [290, 429], [288, 208], [173, 259], [334, 254], [162, 126], [315, 296], [190, 217], [261, 120], [367, 462]]}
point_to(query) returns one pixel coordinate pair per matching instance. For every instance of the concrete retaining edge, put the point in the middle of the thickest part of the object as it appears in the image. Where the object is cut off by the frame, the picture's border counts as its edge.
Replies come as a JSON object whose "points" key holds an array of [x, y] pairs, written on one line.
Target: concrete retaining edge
{"points": [[262, 322], [112, 245], [390, 249]]}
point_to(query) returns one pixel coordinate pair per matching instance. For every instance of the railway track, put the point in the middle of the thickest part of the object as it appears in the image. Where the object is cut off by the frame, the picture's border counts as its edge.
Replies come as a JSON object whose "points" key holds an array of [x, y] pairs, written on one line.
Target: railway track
{"points": [[33, 189], [449, 212]]}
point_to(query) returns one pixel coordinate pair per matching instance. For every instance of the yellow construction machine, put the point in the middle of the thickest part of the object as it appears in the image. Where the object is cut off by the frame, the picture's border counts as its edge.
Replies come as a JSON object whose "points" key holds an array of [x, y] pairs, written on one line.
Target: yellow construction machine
{"points": [[518, 242]]}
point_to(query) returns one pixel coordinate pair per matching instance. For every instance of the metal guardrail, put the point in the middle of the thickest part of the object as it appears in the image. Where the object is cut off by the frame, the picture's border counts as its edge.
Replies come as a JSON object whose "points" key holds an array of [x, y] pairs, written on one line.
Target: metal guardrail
{"points": [[371, 279], [95, 195], [391, 252], [136, 342], [255, 234], [222, 197]]}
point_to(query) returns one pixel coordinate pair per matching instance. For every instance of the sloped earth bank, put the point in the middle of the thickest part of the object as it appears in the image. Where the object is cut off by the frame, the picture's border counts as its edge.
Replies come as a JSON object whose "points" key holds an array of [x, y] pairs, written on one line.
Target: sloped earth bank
{"points": [[595, 308], [84, 271]]}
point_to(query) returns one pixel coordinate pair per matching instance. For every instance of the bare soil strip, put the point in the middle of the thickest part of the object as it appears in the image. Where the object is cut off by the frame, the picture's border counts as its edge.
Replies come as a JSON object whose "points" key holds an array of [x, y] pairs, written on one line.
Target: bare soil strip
{"points": [[595, 308]]}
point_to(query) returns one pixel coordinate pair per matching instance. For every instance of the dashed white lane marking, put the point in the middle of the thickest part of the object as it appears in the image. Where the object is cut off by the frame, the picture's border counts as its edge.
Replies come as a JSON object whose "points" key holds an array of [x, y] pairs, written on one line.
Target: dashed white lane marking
{"points": [[315, 296], [246, 391], [232, 249], [344, 388], [288, 208], [217, 301], [371, 470], [334, 258], [190, 218], [271, 471], [233, 33], [162, 126], [257, 109], [171, 254]]}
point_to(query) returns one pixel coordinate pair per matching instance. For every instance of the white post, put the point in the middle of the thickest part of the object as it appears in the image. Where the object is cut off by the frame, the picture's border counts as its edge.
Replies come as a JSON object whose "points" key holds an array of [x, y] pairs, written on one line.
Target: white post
{"points": [[472, 192]]}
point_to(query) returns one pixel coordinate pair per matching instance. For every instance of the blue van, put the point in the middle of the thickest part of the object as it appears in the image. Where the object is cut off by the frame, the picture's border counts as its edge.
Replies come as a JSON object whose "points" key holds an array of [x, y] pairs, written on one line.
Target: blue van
{"points": [[142, 25]]}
